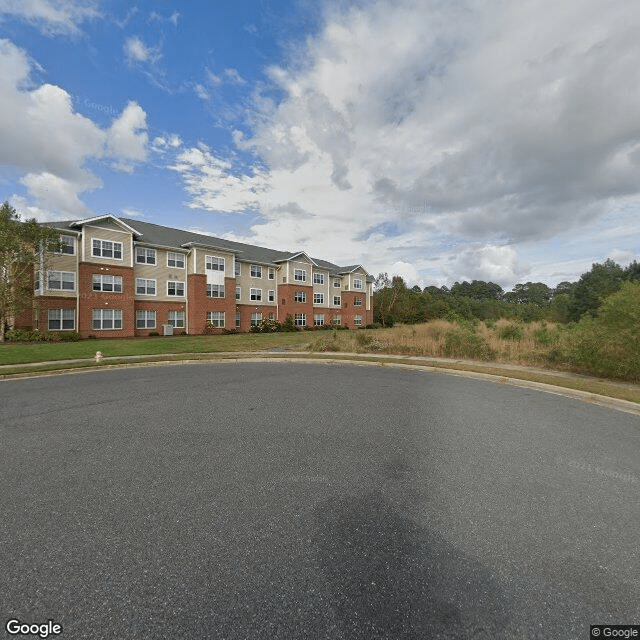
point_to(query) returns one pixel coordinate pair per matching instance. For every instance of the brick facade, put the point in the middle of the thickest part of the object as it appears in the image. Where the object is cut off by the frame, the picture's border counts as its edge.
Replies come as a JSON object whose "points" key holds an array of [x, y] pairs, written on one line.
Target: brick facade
{"points": [[116, 245], [90, 300]]}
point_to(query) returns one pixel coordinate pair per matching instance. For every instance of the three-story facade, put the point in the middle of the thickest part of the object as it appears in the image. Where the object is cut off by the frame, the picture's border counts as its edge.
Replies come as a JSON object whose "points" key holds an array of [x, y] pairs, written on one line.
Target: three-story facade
{"points": [[115, 277]]}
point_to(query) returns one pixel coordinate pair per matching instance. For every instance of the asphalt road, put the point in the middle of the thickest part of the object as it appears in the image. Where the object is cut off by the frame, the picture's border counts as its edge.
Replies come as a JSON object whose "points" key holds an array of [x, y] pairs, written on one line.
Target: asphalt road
{"points": [[312, 501]]}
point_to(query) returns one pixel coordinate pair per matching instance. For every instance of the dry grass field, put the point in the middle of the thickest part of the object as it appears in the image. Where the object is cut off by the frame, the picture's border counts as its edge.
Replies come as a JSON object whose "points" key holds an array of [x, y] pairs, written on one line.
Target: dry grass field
{"points": [[501, 341]]}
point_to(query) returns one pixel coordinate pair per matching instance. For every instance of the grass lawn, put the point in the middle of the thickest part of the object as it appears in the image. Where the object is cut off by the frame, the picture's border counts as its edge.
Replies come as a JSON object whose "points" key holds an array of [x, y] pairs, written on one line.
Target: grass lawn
{"points": [[43, 352]]}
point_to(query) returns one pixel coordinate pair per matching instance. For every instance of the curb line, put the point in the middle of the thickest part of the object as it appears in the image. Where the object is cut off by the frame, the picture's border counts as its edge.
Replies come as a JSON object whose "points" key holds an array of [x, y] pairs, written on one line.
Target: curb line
{"points": [[576, 394]]}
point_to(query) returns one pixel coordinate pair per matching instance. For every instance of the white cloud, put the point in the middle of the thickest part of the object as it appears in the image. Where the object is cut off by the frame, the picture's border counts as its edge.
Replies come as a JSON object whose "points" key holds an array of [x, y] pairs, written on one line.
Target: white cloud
{"points": [[127, 138], [137, 51], [234, 77], [493, 127], [49, 144], [52, 16], [213, 186]]}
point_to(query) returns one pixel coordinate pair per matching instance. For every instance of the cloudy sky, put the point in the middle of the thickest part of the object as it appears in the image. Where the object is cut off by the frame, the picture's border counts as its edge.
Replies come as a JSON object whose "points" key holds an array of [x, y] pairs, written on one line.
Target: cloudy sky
{"points": [[433, 139]]}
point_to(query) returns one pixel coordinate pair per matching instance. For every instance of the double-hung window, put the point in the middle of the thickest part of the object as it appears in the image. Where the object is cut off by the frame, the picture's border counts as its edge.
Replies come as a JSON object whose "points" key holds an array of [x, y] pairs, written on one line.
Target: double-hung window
{"points": [[256, 319], [215, 318], [272, 295], [336, 301], [106, 249], [357, 283], [67, 245], [145, 287], [256, 271], [62, 280], [357, 302], [214, 263], [175, 288], [357, 321], [318, 278], [61, 320], [318, 320], [255, 294], [336, 284], [145, 319], [300, 296], [145, 256], [175, 260], [300, 320], [176, 319], [106, 319], [215, 291], [238, 293], [272, 273], [318, 298], [107, 283], [237, 271], [300, 275]]}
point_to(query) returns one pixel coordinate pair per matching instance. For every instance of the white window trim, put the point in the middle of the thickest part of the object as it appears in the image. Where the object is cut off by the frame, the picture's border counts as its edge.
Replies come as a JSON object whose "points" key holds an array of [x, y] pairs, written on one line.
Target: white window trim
{"points": [[147, 314], [318, 320], [318, 298], [114, 318], [176, 282], [271, 295], [61, 319], [256, 318], [220, 320], [318, 278], [73, 246], [257, 293], [217, 260], [175, 319], [155, 287], [219, 289], [238, 293], [256, 269], [300, 319], [62, 280], [300, 272], [147, 252], [102, 279], [179, 255], [357, 286], [114, 243]]}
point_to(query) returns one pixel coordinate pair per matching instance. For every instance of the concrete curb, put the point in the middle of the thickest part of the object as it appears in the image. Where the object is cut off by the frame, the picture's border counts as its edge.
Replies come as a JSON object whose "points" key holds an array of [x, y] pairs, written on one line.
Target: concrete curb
{"points": [[346, 359]]}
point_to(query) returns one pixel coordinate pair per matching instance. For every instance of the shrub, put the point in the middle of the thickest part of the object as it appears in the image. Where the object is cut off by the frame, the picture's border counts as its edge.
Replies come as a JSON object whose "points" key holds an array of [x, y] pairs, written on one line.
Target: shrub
{"points": [[463, 343], [25, 335], [289, 324], [64, 336], [267, 326], [511, 332], [151, 334], [609, 344], [374, 325]]}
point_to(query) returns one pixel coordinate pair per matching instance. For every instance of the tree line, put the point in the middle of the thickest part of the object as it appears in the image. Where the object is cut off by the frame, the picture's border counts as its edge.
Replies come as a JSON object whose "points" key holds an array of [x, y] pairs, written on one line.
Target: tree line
{"points": [[394, 302]]}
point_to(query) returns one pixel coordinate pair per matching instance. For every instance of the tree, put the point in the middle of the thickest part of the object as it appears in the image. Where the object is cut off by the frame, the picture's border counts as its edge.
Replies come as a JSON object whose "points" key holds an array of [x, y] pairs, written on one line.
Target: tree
{"points": [[593, 287], [23, 246]]}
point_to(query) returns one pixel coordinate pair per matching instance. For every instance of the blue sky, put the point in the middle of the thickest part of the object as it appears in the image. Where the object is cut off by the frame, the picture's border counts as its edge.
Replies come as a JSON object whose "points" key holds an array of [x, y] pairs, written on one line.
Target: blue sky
{"points": [[435, 140]]}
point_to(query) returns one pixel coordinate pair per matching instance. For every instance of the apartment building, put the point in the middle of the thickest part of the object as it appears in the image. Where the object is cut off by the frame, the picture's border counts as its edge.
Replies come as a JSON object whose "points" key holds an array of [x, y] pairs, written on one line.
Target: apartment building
{"points": [[116, 277]]}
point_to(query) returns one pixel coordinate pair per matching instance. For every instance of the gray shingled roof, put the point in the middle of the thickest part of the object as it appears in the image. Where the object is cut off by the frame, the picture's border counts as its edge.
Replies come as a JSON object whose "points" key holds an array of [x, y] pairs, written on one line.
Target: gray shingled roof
{"points": [[156, 234]]}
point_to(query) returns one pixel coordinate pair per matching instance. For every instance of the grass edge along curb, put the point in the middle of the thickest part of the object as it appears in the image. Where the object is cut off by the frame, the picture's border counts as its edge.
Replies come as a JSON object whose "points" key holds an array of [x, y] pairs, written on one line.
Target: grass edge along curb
{"points": [[590, 390]]}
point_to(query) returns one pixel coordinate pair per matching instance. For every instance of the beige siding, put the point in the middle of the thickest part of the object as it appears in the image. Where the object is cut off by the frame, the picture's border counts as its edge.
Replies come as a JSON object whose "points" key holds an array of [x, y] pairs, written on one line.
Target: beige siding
{"points": [[246, 283], [201, 257], [325, 288], [111, 235]]}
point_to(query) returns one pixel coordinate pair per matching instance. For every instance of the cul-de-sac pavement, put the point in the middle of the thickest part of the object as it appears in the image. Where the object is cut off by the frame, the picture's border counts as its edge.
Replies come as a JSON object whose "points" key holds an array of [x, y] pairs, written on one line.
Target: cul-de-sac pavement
{"points": [[284, 500]]}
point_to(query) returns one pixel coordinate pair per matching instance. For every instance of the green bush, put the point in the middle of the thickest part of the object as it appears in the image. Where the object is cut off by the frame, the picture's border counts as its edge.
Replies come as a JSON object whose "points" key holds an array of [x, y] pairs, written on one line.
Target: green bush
{"points": [[374, 325], [151, 334], [511, 332], [267, 326], [608, 345], [464, 343], [25, 335]]}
